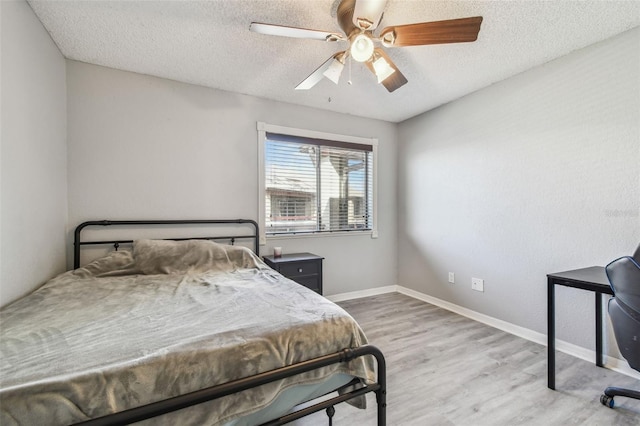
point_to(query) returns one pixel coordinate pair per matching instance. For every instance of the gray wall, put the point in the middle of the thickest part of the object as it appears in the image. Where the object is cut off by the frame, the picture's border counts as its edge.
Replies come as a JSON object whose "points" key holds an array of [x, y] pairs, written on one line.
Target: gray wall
{"points": [[33, 154], [536, 174], [145, 147]]}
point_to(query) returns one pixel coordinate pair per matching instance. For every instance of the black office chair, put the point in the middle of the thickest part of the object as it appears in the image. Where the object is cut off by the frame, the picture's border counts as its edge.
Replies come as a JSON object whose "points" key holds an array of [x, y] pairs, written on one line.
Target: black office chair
{"points": [[624, 310]]}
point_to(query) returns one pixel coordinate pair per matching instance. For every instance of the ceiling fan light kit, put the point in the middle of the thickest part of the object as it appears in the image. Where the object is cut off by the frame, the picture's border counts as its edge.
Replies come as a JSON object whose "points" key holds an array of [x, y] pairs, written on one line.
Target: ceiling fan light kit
{"points": [[361, 47], [358, 19], [383, 69]]}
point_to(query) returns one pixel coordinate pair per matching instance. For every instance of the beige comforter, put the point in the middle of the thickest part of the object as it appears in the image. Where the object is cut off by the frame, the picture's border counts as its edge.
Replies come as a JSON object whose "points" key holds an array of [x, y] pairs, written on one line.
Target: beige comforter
{"points": [[162, 320]]}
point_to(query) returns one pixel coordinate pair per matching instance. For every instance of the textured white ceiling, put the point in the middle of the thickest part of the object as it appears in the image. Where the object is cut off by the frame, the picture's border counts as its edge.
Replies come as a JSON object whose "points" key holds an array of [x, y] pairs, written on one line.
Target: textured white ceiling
{"points": [[209, 43]]}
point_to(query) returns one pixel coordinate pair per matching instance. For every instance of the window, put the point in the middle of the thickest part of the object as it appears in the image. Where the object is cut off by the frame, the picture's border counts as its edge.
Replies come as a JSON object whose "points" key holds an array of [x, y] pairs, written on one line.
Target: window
{"points": [[312, 182]]}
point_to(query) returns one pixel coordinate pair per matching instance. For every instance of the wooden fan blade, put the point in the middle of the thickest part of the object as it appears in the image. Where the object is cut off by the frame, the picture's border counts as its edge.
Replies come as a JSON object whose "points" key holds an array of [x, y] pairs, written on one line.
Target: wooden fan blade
{"points": [[345, 16], [319, 73], [438, 32], [280, 30], [395, 80], [368, 13]]}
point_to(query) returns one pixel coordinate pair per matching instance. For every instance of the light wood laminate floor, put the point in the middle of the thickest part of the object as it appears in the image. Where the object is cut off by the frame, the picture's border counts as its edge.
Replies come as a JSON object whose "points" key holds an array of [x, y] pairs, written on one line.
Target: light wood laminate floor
{"points": [[445, 369]]}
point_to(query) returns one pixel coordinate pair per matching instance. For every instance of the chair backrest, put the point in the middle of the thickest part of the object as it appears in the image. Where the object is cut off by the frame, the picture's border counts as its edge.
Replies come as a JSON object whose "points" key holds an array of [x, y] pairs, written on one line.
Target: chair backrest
{"points": [[624, 307]]}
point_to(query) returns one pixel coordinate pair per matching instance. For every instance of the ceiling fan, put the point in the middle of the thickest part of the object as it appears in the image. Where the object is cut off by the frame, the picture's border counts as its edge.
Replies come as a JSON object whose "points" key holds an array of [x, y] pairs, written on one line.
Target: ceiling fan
{"points": [[358, 19]]}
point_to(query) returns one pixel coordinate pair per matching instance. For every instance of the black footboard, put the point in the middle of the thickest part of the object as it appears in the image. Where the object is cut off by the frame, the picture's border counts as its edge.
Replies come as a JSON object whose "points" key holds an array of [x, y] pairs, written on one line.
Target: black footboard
{"points": [[208, 394]]}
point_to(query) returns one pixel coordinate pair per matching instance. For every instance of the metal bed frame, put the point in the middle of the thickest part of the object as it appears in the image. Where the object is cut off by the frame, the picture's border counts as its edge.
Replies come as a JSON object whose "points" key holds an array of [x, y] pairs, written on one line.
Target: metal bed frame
{"points": [[78, 243], [214, 392]]}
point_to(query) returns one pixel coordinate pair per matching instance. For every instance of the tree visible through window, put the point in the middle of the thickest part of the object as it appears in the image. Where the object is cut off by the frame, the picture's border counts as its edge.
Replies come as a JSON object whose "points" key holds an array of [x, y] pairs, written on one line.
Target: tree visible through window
{"points": [[317, 185]]}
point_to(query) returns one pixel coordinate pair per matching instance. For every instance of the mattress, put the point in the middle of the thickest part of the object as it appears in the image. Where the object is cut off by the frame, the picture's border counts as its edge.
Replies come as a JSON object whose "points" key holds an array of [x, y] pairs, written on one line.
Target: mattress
{"points": [[161, 320]]}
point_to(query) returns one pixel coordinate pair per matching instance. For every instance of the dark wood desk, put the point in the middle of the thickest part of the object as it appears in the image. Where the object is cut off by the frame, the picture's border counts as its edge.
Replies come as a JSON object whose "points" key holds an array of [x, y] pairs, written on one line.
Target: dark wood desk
{"points": [[591, 279]]}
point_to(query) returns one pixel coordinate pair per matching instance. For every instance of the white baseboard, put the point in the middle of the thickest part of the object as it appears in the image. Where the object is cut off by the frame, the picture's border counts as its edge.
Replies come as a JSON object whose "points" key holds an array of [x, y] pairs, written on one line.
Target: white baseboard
{"points": [[341, 297], [612, 363]]}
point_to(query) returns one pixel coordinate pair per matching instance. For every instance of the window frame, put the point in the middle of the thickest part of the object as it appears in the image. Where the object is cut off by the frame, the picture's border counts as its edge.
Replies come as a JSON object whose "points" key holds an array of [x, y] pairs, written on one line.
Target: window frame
{"points": [[263, 128]]}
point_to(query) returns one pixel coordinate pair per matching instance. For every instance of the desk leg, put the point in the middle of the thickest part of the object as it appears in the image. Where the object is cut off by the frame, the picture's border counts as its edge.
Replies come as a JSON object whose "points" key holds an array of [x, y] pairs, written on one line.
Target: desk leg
{"points": [[551, 335], [599, 362]]}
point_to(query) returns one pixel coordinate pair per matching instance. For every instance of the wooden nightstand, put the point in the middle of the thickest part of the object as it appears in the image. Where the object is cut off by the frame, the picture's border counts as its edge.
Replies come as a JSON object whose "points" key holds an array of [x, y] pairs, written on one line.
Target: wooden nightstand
{"points": [[303, 268]]}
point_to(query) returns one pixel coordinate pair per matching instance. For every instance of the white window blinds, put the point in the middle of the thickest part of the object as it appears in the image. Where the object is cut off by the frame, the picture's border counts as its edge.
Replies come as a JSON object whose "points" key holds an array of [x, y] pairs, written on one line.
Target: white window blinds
{"points": [[316, 185]]}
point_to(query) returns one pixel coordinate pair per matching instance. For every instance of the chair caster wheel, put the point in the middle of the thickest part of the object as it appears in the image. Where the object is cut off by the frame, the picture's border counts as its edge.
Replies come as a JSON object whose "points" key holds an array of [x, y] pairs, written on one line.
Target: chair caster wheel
{"points": [[606, 400]]}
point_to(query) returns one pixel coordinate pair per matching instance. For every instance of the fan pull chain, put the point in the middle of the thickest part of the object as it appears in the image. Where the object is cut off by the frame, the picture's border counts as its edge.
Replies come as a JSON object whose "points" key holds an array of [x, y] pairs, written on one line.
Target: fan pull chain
{"points": [[349, 81]]}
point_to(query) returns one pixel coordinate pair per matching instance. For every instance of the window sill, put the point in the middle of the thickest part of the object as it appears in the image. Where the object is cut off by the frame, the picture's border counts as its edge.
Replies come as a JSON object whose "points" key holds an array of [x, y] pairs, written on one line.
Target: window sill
{"points": [[371, 234]]}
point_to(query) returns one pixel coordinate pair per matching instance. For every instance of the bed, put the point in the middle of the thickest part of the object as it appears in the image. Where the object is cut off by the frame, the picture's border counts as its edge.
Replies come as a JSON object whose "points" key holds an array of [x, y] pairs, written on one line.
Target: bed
{"points": [[179, 331]]}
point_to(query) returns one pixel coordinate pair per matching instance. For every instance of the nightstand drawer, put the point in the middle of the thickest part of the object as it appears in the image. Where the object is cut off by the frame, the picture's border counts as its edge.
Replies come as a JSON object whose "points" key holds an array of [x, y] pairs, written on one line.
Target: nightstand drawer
{"points": [[297, 269], [311, 282]]}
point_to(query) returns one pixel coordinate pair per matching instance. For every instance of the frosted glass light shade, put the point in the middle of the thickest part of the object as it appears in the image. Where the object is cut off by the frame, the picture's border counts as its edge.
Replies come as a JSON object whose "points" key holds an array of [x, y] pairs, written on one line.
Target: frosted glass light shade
{"points": [[382, 69], [361, 48]]}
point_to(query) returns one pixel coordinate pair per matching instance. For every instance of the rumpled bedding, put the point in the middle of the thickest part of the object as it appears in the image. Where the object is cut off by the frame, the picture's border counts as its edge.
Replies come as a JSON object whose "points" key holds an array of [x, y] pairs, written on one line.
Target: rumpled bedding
{"points": [[161, 320]]}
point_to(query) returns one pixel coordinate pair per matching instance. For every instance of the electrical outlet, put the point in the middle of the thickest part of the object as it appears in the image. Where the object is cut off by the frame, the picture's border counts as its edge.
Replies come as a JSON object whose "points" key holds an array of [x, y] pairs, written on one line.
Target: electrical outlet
{"points": [[477, 284], [452, 277]]}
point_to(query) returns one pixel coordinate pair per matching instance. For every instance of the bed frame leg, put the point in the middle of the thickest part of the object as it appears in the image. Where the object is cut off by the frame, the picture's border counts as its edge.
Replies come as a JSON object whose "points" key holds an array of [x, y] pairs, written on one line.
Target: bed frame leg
{"points": [[330, 412], [381, 399], [381, 394]]}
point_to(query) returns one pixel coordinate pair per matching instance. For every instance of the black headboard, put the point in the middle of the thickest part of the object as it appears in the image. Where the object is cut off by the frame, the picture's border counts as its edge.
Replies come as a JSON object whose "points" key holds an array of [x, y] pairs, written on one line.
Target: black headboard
{"points": [[77, 243]]}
